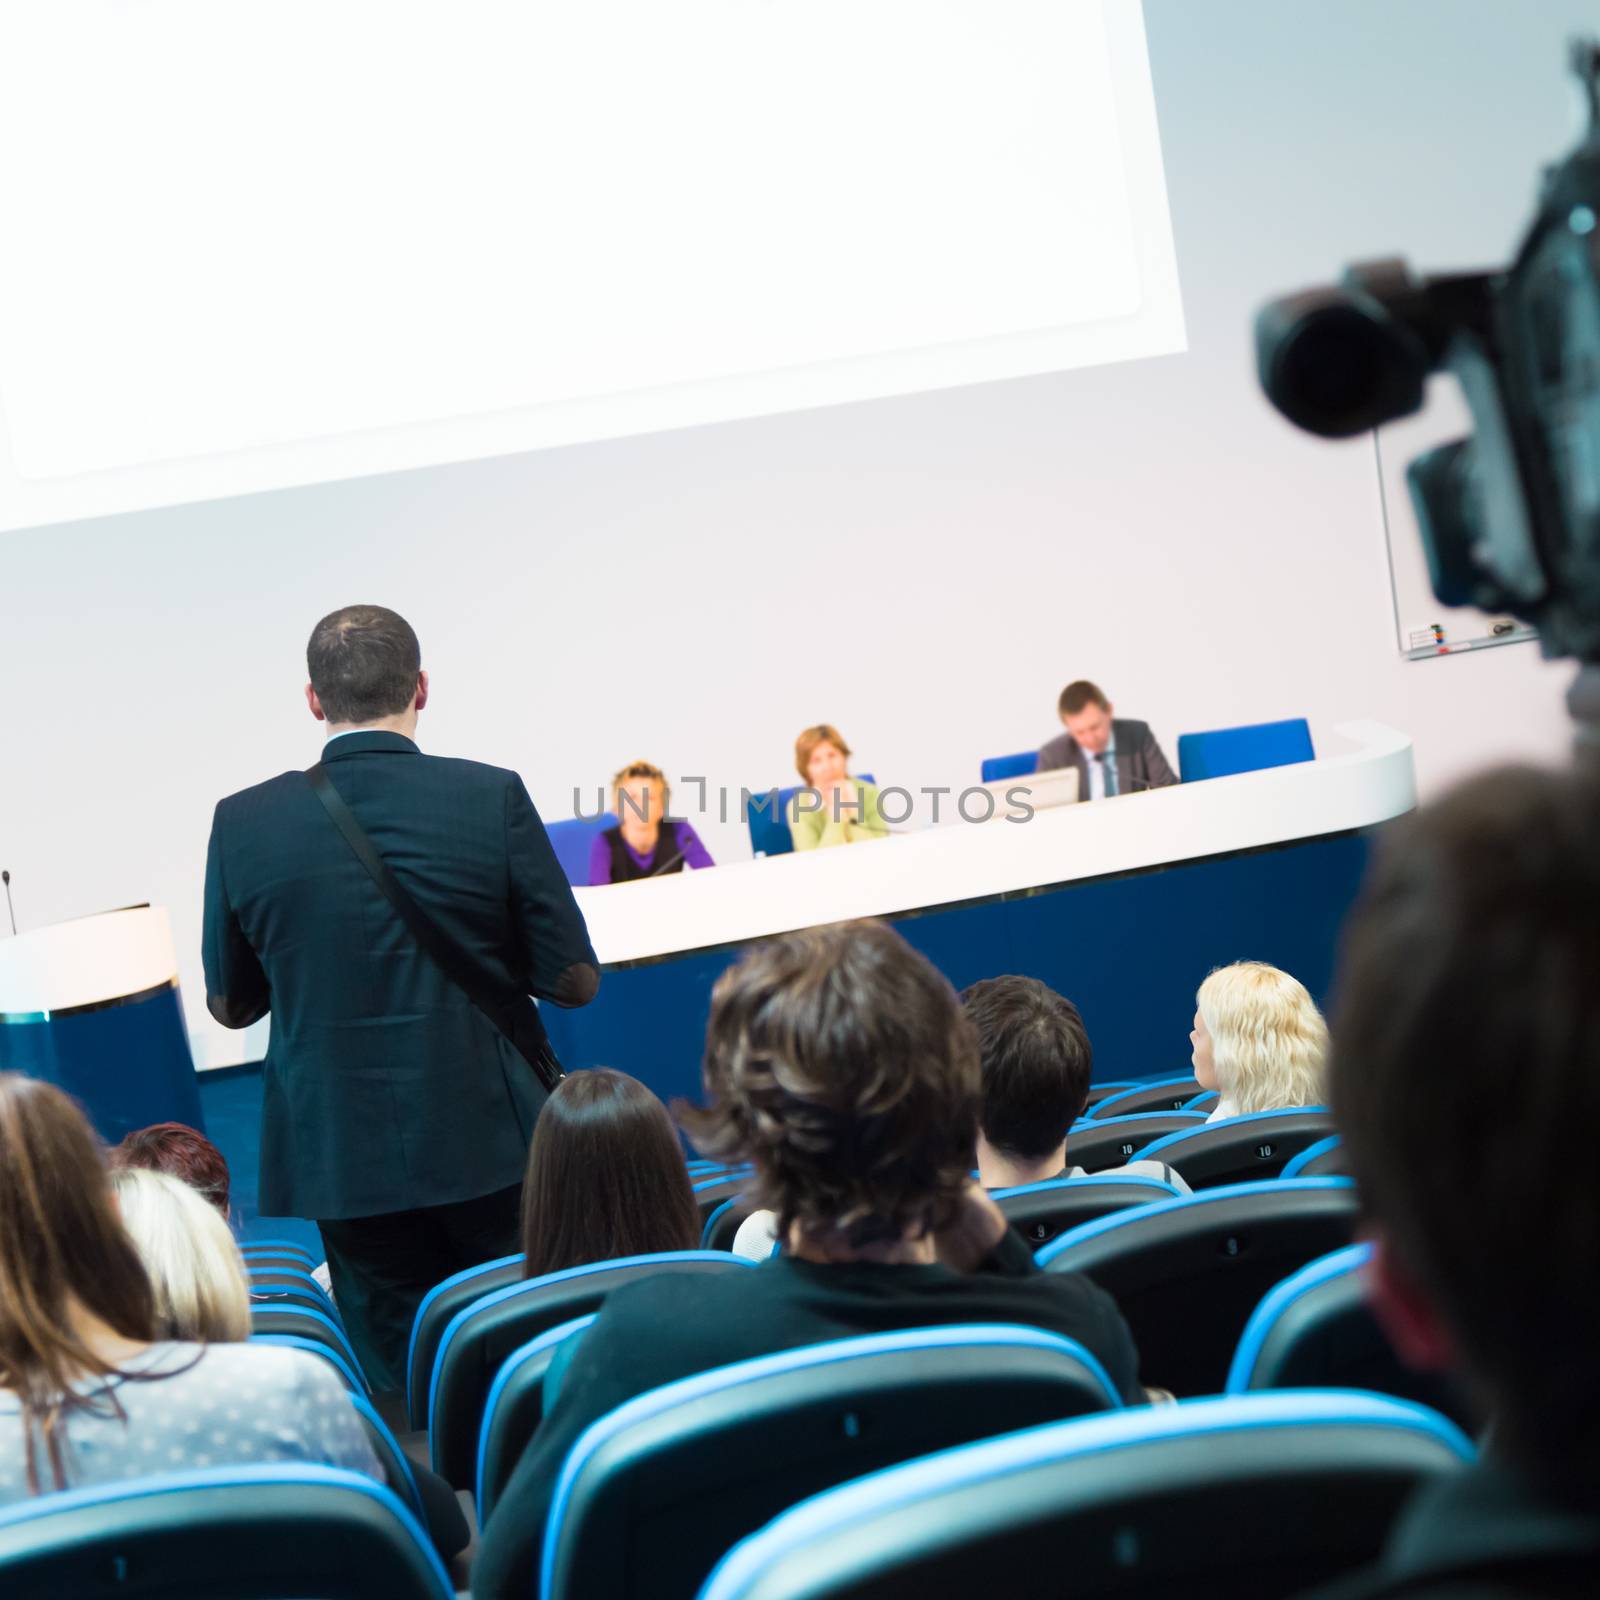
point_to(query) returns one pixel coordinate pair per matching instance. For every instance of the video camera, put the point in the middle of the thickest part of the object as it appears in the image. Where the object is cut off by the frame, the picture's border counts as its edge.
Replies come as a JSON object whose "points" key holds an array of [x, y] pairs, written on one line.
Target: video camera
{"points": [[1510, 516]]}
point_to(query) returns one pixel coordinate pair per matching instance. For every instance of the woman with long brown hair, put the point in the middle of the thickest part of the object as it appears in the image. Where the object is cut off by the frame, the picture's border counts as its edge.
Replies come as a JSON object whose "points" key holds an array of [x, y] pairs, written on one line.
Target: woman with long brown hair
{"points": [[606, 1177], [87, 1393]]}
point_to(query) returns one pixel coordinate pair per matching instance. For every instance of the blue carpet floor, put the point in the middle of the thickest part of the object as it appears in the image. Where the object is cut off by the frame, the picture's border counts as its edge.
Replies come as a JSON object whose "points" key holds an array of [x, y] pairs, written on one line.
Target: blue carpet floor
{"points": [[230, 1099]]}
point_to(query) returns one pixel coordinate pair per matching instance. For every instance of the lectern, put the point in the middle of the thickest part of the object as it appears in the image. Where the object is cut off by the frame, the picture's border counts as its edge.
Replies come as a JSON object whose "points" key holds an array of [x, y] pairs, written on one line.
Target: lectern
{"points": [[92, 1005]]}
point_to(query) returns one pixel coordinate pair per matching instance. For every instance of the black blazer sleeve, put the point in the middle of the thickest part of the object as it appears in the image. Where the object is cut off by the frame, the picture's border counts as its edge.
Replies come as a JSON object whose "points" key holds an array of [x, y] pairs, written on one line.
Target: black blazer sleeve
{"points": [[1157, 773], [561, 964], [237, 993]]}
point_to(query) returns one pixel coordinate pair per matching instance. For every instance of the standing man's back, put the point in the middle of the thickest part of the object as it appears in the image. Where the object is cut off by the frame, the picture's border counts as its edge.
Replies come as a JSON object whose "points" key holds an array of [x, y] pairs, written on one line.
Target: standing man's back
{"points": [[394, 1112]]}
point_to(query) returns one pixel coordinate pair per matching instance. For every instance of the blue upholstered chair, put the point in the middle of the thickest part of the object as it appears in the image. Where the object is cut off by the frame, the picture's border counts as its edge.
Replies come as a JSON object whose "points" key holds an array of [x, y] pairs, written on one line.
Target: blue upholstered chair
{"points": [[439, 1306], [573, 840], [233, 1533], [1187, 1273], [1097, 1143], [1043, 1211], [1022, 765], [1225, 751], [768, 821], [653, 1493], [1324, 1159], [304, 1322], [1154, 1094], [1315, 1330], [484, 1332], [1239, 1149], [1250, 1497]]}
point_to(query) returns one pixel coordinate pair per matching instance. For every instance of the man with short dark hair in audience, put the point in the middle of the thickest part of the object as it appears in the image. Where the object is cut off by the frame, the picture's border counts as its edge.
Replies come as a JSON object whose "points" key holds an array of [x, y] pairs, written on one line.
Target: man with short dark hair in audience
{"points": [[1037, 1061], [394, 1113], [839, 1062], [1466, 1062], [1113, 755]]}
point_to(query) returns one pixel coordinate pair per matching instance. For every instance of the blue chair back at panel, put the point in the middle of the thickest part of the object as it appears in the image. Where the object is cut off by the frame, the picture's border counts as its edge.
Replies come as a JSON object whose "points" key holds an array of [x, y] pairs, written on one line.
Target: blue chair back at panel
{"points": [[1222, 752], [439, 1306], [653, 1493], [769, 823], [514, 1409], [1154, 1094], [487, 1330], [1315, 1330], [1239, 1149], [573, 841], [1187, 1273], [1239, 1498], [1324, 1159], [290, 1531], [1022, 765], [1043, 1211], [1098, 1143]]}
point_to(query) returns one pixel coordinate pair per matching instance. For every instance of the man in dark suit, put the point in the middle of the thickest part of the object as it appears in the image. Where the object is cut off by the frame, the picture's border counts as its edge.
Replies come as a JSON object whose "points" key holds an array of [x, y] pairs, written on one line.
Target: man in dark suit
{"points": [[1113, 755], [394, 1112]]}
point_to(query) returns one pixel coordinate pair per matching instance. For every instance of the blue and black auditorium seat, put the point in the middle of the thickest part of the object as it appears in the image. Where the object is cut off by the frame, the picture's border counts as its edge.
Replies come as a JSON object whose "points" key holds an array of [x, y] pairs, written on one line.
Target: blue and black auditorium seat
{"points": [[1239, 1149], [1096, 1144], [1225, 751], [439, 1306], [308, 1325], [1315, 1330], [1187, 1273], [653, 1493], [1324, 1159], [1159, 1094], [514, 1409], [1241, 1498], [238, 1533], [482, 1334], [1041, 1212]]}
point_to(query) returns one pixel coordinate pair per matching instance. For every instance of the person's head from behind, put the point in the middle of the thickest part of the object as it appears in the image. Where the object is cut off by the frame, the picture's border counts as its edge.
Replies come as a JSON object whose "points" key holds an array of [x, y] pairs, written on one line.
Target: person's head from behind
{"points": [[182, 1153], [821, 756], [69, 1274], [194, 1267], [365, 667], [1086, 714], [839, 1061], [606, 1177], [1036, 1061], [1258, 1039], [1465, 1081]]}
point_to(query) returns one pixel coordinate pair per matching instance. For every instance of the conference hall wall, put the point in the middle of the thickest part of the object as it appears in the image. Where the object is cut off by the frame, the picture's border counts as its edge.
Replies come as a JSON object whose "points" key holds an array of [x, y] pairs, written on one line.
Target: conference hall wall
{"points": [[925, 570]]}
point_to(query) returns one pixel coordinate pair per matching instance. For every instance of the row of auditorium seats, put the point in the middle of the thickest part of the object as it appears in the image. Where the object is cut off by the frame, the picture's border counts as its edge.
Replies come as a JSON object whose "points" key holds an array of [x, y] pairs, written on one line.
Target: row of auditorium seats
{"points": [[1249, 1497], [1219, 753]]}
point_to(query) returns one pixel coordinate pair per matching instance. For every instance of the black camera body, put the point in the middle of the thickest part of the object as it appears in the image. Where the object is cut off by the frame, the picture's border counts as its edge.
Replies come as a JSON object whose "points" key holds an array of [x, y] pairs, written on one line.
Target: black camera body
{"points": [[1510, 516]]}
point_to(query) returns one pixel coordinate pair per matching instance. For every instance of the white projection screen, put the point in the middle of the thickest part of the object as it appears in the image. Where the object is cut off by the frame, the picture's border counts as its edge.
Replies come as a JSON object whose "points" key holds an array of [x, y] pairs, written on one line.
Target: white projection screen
{"points": [[253, 246]]}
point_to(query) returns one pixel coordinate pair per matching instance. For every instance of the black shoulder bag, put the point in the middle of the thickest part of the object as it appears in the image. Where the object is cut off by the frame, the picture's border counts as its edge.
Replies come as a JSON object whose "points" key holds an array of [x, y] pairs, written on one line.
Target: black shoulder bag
{"points": [[513, 1015]]}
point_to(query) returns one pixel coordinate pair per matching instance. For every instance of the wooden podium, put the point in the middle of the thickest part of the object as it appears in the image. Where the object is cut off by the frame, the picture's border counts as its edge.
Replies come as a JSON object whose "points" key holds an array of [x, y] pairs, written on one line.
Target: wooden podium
{"points": [[92, 1005]]}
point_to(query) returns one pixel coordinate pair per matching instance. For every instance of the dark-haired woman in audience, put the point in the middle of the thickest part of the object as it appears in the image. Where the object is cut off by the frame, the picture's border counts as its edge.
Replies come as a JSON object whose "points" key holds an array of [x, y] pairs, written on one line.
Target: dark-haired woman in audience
{"points": [[644, 843], [606, 1177], [88, 1394], [839, 1062]]}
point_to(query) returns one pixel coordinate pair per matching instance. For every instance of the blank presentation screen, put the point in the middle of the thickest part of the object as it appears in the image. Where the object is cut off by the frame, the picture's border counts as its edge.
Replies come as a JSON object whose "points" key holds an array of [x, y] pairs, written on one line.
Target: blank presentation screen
{"points": [[254, 245]]}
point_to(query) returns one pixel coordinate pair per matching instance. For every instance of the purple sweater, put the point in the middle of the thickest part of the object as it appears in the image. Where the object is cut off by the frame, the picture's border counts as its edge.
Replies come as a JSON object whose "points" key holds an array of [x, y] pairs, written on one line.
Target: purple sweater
{"points": [[681, 836]]}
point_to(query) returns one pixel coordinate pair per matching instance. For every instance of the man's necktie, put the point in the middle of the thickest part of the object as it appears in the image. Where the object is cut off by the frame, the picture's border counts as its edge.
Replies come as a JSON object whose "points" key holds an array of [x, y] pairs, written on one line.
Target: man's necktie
{"points": [[1108, 773]]}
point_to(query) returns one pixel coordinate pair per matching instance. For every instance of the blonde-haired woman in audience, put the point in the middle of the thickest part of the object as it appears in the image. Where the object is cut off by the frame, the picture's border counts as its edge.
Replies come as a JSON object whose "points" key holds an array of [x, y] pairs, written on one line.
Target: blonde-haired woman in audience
{"points": [[832, 808], [1258, 1040], [189, 1256]]}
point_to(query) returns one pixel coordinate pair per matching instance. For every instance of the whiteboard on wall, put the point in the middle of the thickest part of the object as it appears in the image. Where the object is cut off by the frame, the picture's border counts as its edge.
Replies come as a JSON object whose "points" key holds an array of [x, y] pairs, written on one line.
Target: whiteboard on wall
{"points": [[1424, 628]]}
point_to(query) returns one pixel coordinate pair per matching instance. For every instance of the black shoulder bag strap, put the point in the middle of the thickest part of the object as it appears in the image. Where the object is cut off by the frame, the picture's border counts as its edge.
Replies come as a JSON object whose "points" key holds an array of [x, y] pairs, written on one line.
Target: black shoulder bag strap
{"points": [[514, 1016]]}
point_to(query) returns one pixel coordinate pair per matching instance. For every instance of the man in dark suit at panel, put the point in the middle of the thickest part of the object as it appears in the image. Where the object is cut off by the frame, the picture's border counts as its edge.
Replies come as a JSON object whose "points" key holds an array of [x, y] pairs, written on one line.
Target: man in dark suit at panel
{"points": [[1113, 755], [394, 1112]]}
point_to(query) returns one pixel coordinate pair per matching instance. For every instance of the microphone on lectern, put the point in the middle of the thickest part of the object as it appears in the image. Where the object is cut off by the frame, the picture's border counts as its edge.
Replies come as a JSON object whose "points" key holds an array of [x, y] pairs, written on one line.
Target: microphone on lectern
{"points": [[5, 878]]}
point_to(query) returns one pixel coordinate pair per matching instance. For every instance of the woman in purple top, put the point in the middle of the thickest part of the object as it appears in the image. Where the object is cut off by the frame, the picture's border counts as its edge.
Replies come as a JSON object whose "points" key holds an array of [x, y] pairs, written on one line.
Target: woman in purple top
{"points": [[644, 843]]}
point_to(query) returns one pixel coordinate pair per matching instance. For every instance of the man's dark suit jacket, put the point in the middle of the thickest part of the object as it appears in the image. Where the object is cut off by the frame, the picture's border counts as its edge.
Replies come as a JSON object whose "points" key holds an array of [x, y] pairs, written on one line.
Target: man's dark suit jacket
{"points": [[1140, 763], [384, 1088]]}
